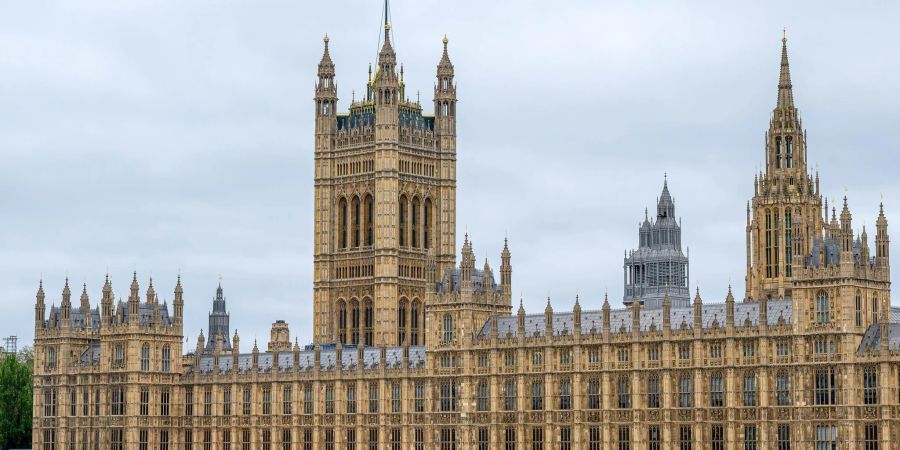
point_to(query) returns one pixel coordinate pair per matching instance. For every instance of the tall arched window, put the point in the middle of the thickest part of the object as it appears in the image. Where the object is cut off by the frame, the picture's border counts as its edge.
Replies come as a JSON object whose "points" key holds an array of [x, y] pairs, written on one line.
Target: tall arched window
{"points": [[166, 361], [875, 307], [414, 228], [858, 309], [401, 321], [778, 152], [368, 322], [426, 236], [145, 358], [342, 322], [354, 321], [356, 221], [448, 328], [788, 243], [789, 151], [768, 227], [370, 220], [342, 223], [414, 322], [823, 308], [402, 230]]}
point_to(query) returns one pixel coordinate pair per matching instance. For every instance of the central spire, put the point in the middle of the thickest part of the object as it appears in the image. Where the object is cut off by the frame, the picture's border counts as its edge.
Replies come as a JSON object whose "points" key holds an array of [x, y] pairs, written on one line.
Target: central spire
{"points": [[785, 89], [386, 48]]}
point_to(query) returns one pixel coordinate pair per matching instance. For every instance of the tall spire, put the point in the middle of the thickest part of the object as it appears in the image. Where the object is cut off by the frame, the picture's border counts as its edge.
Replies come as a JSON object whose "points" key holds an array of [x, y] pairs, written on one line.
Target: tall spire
{"points": [[387, 56], [785, 89]]}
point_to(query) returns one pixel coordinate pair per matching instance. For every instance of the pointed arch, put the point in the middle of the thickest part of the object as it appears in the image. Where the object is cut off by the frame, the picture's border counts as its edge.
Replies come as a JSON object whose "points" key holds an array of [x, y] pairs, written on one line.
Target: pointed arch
{"points": [[402, 324], [403, 212], [448, 329], [166, 359], [874, 307], [145, 357], [369, 205], [354, 321], [414, 223], [342, 321], [778, 152], [415, 320], [357, 221], [823, 308], [368, 322], [427, 233], [858, 308], [342, 223], [789, 152]]}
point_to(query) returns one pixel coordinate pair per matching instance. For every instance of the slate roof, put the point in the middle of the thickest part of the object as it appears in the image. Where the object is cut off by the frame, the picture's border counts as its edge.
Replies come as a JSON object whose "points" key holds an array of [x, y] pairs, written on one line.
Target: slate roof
{"points": [[306, 360], [745, 314], [871, 340]]}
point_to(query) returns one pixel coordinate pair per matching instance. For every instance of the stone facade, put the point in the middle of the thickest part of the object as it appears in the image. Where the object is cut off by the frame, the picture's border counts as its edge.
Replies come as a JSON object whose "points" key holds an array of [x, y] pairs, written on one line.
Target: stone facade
{"points": [[809, 359]]}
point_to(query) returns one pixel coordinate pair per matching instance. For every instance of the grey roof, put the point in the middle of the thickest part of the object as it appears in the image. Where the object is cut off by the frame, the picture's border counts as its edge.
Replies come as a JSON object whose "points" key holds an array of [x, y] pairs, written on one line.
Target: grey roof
{"points": [[306, 360], [871, 340], [145, 313], [895, 315], [451, 281], [620, 320]]}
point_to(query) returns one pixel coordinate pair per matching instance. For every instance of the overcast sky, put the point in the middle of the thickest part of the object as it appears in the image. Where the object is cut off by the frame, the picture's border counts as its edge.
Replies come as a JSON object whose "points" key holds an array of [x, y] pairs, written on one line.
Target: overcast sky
{"points": [[177, 136]]}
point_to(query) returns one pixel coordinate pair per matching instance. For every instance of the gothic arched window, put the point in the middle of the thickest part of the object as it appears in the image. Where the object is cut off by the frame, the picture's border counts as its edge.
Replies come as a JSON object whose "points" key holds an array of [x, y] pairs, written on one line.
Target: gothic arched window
{"points": [[448, 328], [858, 309], [354, 321], [401, 321], [823, 308], [426, 235], [356, 221], [414, 322], [403, 207], [370, 220], [342, 322], [166, 358], [414, 228], [778, 152], [368, 322], [788, 243], [875, 307], [145, 358], [342, 223], [789, 151]]}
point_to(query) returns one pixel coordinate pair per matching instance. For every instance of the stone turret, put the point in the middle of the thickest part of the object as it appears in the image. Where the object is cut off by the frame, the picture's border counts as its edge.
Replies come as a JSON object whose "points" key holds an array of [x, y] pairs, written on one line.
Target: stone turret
{"points": [[39, 307], [658, 266]]}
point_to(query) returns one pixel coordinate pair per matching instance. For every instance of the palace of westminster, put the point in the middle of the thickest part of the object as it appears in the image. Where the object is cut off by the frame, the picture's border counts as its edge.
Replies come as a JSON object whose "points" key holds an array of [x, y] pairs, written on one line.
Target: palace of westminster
{"points": [[414, 351]]}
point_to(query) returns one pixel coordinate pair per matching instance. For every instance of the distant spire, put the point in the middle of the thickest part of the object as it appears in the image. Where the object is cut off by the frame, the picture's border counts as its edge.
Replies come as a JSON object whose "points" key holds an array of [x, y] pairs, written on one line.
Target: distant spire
{"points": [[785, 89]]}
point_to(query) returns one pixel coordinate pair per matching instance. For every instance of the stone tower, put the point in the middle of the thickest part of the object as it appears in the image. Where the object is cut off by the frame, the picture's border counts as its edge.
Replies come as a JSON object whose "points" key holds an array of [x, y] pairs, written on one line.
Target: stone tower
{"points": [[385, 196], [658, 267], [785, 214], [218, 323]]}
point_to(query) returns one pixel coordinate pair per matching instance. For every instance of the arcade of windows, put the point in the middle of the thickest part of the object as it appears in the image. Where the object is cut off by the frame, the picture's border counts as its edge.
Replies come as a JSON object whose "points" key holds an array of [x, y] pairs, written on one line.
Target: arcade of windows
{"points": [[355, 271], [355, 167], [355, 321], [784, 157], [416, 222], [354, 230], [416, 168]]}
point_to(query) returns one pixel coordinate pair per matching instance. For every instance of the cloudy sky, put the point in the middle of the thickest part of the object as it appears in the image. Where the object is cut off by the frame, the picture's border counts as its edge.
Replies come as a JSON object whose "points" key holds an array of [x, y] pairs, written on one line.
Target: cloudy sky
{"points": [[177, 136]]}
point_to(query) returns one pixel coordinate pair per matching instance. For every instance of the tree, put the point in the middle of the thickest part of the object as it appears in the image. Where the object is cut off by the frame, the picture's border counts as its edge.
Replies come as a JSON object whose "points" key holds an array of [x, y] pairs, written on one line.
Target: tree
{"points": [[15, 401]]}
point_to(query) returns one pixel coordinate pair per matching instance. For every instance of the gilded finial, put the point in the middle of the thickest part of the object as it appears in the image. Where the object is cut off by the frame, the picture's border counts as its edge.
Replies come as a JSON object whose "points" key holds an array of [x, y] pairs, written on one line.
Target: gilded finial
{"points": [[325, 39], [445, 40]]}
